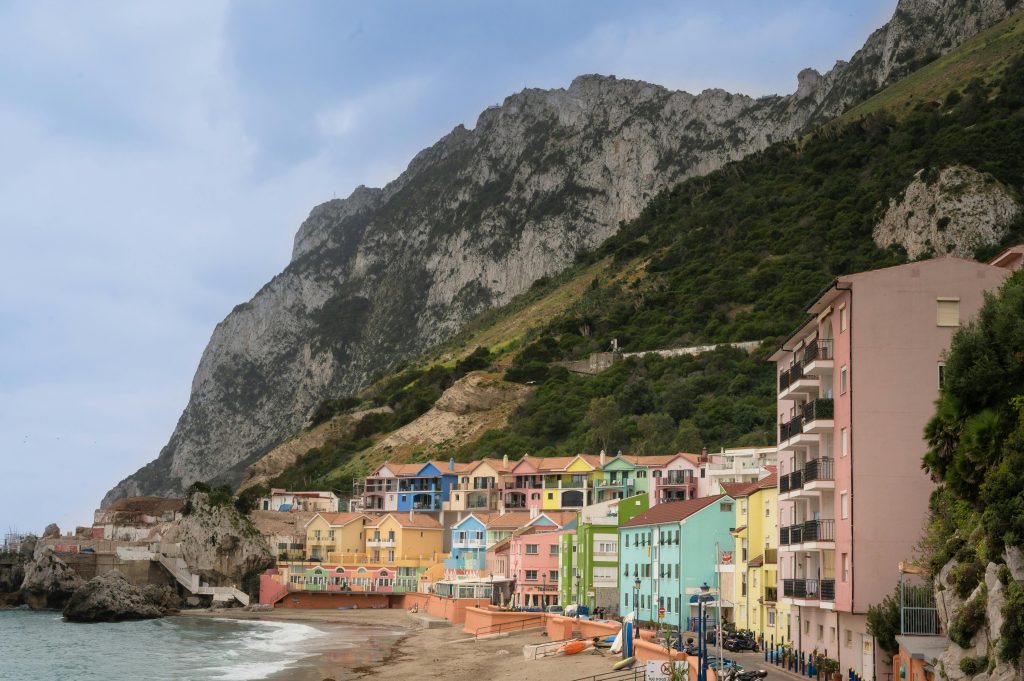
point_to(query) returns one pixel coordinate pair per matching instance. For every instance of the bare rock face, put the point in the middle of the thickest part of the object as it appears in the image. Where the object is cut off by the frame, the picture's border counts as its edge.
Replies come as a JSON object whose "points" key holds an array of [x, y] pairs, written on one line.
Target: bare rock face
{"points": [[110, 597], [52, 531], [478, 217], [476, 403], [952, 212], [218, 543], [49, 582]]}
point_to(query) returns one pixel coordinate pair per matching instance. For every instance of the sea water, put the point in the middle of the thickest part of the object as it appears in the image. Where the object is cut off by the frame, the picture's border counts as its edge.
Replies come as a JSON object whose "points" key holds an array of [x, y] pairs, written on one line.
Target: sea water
{"points": [[41, 646]]}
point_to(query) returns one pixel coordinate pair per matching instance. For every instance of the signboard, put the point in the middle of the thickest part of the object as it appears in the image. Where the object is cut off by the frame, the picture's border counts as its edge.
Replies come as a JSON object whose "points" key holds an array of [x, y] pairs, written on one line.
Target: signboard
{"points": [[661, 613], [726, 557], [661, 670]]}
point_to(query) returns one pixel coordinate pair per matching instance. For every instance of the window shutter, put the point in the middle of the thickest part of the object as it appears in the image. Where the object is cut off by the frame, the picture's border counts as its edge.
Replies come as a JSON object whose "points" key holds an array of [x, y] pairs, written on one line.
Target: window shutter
{"points": [[948, 312]]}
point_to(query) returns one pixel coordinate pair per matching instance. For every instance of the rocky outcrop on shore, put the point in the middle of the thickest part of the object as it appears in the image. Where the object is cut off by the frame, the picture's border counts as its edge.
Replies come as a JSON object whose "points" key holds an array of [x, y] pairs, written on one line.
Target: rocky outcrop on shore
{"points": [[218, 543], [110, 598], [49, 582]]}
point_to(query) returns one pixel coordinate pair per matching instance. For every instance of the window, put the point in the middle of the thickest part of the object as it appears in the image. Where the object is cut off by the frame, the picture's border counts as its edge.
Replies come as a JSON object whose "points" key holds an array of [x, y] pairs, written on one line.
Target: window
{"points": [[821, 631], [535, 496], [831, 634], [627, 540], [743, 507], [625, 573], [942, 374], [844, 444], [807, 627], [330, 534], [771, 617], [767, 508], [948, 313], [842, 318], [743, 553], [553, 575], [849, 637], [846, 567], [551, 495], [391, 556], [554, 550], [725, 507], [842, 380], [844, 505], [531, 575], [531, 549], [316, 534], [656, 474]]}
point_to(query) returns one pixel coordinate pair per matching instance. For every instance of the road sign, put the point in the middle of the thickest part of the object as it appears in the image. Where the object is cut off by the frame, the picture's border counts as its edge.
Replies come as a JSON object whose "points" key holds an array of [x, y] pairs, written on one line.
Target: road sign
{"points": [[661, 613], [660, 670]]}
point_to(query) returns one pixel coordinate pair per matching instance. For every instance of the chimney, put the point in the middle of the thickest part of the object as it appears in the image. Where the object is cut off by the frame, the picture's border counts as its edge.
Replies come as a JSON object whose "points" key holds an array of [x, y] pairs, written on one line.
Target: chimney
{"points": [[602, 457], [410, 515], [504, 461], [704, 455], [451, 464]]}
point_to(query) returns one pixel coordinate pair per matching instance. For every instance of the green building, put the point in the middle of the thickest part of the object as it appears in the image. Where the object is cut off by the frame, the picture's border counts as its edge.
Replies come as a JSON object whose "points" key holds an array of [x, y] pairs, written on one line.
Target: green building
{"points": [[588, 562]]}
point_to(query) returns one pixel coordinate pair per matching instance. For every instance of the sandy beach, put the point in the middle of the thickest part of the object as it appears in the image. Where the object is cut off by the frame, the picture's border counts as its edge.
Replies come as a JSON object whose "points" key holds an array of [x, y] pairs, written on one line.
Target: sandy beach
{"points": [[401, 650]]}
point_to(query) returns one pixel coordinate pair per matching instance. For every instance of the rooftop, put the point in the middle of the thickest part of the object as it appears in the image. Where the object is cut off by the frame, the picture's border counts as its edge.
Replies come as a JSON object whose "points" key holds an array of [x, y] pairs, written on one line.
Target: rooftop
{"points": [[673, 511]]}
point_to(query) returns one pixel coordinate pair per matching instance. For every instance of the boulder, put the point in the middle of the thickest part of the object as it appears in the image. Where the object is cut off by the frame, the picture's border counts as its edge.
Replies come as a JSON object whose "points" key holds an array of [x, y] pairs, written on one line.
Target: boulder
{"points": [[995, 603], [52, 531], [1015, 561], [49, 582], [110, 597], [164, 597]]}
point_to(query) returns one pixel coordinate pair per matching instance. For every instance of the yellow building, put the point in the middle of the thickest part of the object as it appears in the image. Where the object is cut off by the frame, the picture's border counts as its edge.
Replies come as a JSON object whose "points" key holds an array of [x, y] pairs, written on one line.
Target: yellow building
{"points": [[756, 597], [395, 538], [478, 488], [334, 533]]}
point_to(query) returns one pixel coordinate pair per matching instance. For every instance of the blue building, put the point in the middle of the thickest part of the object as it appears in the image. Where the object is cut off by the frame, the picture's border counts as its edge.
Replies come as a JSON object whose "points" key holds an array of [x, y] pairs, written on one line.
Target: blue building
{"points": [[469, 544], [671, 550], [428, 488]]}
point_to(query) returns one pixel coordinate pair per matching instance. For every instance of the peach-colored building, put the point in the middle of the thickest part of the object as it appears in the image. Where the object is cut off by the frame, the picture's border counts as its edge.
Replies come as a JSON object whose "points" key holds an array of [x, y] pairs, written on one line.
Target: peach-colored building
{"points": [[856, 386]]}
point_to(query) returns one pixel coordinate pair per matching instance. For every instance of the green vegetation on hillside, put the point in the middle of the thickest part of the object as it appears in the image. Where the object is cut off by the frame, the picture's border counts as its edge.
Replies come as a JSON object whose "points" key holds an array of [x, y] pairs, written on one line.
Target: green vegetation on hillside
{"points": [[733, 256], [976, 452]]}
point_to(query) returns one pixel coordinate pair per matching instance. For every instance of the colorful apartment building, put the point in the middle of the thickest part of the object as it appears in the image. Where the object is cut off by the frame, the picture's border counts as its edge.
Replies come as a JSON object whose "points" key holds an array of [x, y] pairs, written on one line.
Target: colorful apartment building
{"points": [[551, 483], [468, 553], [588, 565], [478, 487], [417, 487], [856, 385], [533, 553], [741, 464], [754, 559], [396, 537], [330, 535], [671, 477], [671, 551]]}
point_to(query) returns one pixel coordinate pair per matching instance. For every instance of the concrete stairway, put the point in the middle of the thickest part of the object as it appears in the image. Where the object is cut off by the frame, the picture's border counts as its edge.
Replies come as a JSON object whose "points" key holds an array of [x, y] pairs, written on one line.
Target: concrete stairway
{"points": [[179, 570]]}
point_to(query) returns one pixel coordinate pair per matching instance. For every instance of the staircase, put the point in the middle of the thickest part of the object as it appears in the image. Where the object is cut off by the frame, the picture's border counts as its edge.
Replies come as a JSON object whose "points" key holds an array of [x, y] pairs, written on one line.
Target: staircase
{"points": [[179, 570]]}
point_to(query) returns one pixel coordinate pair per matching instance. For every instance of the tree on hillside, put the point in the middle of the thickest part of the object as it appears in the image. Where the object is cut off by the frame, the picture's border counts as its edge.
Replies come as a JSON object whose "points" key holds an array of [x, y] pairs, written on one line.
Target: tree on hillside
{"points": [[602, 419], [657, 435]]}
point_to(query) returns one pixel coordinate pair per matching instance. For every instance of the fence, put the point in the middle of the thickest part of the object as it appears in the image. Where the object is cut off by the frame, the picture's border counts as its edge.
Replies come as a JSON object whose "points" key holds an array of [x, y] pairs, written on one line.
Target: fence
{"points": [[918, 614], [638, 673]]}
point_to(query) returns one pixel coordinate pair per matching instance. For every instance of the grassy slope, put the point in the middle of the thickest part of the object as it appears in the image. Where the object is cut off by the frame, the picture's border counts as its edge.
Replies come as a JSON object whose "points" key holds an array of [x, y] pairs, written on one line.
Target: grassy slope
{"points": [[983, 56]]}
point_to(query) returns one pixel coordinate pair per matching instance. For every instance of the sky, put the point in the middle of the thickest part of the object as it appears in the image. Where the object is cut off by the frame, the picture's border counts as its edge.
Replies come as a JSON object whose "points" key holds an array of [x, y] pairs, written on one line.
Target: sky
{"points": [[156, 160]]}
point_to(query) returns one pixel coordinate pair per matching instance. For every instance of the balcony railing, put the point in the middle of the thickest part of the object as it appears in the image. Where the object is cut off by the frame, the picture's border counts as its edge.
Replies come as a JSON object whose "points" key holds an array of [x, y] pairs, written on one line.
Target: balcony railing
{"points": [[810, 589], [790, 481], [821, 408], [794, 426], [382, 542], [818, 469], [811, 530], [820, 348]]}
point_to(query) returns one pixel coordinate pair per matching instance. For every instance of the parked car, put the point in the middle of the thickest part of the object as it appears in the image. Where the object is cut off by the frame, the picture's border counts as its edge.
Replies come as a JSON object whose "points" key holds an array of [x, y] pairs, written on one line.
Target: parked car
{"points": [[554, 609]]}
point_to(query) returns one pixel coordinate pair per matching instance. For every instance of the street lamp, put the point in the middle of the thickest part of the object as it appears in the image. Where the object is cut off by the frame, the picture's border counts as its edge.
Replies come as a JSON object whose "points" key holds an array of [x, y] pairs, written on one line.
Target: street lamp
{"points": [[702, 638], [636, 608]]}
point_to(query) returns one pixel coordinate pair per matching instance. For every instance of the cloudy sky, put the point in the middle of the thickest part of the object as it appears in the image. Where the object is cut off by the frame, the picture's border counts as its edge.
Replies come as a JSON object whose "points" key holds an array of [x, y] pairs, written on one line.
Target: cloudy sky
{"points": [[157, 158]]}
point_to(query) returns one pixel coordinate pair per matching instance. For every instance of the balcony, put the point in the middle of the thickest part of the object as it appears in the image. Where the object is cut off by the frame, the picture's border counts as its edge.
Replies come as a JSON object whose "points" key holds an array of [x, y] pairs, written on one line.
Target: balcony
{"points": [[816, 475], [811, 531], [771, 594], [381, 542], [794, 382], [818, 416], [817, 357], [810, 589], [469, 544]]}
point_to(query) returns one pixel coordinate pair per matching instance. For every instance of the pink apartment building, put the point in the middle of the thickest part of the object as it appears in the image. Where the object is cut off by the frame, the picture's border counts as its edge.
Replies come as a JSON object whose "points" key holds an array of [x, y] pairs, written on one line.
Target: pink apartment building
{"points": [[856, 386], [533, 559]]}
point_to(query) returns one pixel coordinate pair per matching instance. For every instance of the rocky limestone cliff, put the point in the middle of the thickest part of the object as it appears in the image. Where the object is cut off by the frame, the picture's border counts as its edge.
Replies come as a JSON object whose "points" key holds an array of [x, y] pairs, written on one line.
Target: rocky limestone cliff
{"points": [[282, 457], [218, 543], [953, 212], [979, 659], [476, 403], [474, 220]]}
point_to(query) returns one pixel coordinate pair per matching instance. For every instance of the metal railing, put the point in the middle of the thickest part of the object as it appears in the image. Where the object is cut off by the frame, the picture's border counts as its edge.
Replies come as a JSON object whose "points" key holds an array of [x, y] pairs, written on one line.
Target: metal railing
{"points": [[918, 613], [810, 589], [514, 625], [784, 536], [794, 426], [818, 469], [820, 348], [821, 408], [828, 589], [811, 530]]}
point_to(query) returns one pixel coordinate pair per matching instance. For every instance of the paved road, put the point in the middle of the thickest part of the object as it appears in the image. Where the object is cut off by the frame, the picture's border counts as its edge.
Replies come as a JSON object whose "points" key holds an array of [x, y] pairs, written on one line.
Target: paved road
{"points": [[757, 661]]}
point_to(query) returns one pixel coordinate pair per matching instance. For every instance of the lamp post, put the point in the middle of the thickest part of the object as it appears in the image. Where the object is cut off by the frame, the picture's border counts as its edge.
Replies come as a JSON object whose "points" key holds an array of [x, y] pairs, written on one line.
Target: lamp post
{"points": [[702, 642], [636, 608]]}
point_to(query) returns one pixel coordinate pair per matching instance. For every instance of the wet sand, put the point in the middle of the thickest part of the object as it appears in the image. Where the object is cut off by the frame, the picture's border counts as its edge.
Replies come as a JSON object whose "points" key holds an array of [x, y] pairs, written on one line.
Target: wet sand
{"points": [[395, 648]]}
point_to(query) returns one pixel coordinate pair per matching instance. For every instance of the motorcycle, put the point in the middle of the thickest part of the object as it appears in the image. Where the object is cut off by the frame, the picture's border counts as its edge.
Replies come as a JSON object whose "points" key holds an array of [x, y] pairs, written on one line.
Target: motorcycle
{"points": [[740, 642], [748, 675]]}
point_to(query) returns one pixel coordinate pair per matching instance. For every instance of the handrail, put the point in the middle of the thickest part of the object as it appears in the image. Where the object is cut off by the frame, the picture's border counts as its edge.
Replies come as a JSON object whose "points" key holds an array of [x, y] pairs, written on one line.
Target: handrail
{"points": [[637, 673], [537, 623]]}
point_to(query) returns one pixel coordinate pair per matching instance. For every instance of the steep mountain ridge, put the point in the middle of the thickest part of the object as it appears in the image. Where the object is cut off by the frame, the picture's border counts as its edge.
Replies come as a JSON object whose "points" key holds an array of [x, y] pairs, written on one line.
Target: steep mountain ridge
{"points": [[474, 220]]}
